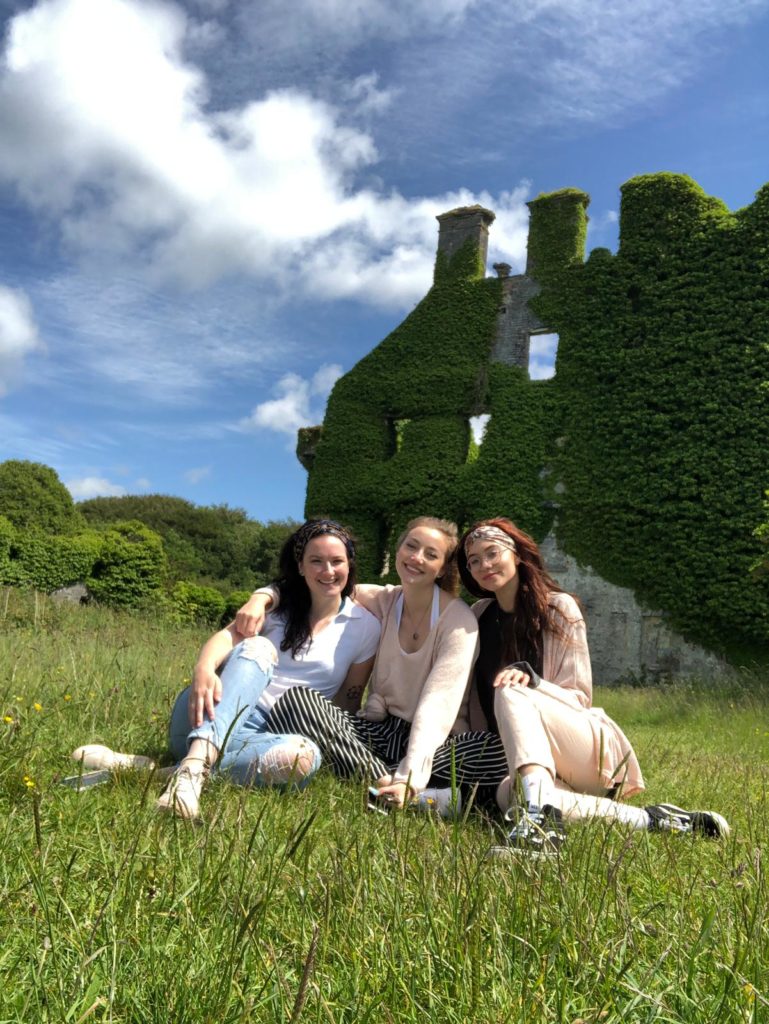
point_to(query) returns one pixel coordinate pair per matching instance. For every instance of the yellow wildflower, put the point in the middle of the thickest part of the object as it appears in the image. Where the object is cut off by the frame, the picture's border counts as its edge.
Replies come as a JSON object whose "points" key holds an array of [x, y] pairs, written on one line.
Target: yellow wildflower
{"points": [[67, 696], [29, 783], [37, 706], [8, 719]]}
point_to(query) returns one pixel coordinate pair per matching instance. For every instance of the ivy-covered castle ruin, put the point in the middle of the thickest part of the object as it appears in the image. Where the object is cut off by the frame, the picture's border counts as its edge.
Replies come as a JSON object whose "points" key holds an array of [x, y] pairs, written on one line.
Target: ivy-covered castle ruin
{"points": [[644, 457]]}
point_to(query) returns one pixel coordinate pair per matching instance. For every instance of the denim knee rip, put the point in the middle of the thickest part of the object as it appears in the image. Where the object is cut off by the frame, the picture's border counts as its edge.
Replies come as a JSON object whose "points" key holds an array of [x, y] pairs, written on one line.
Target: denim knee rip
{"points": [[292, 761], [259, 649]]}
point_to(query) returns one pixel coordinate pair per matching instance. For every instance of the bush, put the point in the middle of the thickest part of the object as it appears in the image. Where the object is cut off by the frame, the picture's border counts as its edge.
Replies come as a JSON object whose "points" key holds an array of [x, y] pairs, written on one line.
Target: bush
{"points": [[191, 602], [131, 566], [45, 563]]}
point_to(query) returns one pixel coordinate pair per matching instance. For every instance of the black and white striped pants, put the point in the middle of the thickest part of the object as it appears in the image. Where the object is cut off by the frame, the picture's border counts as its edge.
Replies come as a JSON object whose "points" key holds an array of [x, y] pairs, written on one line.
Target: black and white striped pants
{"points": [[356, 748]]}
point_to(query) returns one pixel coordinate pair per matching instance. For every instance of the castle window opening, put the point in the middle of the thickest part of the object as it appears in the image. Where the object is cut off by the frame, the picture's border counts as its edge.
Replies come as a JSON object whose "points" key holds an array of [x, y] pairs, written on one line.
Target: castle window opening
{"points": [[542, 352]]}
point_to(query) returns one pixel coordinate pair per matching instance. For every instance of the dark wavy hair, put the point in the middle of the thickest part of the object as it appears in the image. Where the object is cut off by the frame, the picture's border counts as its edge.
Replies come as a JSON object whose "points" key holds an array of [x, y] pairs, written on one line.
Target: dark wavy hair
{"points": [[522, 633], [449, 578], [295, 597]]}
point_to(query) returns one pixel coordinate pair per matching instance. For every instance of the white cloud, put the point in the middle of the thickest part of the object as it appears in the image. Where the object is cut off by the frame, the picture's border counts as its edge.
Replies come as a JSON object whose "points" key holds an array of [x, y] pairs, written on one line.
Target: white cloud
{"points": [[542, 351], [294, 407], [94, 487], [281, 187], [340, 25], [366, 96], [194, 476], [478, 426], [142, 483], [18, 334], [142, 169]]}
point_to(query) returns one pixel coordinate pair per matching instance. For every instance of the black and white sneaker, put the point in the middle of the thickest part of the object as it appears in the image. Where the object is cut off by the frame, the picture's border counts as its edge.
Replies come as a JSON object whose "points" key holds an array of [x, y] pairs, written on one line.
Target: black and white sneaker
{"points": [[669, 818], [536, 832]]}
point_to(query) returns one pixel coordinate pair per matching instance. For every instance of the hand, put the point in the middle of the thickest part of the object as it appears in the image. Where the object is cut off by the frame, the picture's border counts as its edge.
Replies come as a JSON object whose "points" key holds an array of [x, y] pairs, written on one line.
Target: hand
{"points": [[511, 677], [250, 618], [396, 794], [205, 692]]}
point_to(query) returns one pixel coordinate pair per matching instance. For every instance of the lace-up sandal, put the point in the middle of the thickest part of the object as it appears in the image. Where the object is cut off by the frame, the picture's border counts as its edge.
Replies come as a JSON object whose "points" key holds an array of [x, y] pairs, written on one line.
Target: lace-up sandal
{"points": [[181, 796]]}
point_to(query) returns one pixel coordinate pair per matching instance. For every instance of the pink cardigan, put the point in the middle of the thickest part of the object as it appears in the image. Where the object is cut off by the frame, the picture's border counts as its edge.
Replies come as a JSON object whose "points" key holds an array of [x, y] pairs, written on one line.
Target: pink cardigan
{"points": [[429, 687]]}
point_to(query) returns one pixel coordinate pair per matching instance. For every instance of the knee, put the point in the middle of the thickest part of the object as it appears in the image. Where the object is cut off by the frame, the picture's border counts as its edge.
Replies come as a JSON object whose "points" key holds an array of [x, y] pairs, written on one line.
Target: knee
{"points": [[293, 762], [259, 650], [511, 697]]}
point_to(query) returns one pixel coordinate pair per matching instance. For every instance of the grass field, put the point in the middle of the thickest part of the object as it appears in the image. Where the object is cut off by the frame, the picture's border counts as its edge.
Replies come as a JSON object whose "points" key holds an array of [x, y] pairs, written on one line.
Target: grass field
{"points": [[304, 908]]}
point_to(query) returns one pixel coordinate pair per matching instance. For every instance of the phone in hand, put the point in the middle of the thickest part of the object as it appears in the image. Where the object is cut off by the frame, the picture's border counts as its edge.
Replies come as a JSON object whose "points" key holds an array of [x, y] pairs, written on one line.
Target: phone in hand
{"points": [[375, 803]]}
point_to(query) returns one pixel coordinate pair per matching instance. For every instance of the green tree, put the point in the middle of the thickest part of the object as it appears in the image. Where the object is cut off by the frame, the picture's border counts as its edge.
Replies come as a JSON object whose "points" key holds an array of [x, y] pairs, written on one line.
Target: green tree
{"points": [[213, 545], [33, 498]]}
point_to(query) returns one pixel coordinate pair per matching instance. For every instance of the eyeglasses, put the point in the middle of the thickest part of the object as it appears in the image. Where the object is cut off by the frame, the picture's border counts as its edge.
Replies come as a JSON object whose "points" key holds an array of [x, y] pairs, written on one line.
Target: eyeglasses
{"points": [[489, 557]]}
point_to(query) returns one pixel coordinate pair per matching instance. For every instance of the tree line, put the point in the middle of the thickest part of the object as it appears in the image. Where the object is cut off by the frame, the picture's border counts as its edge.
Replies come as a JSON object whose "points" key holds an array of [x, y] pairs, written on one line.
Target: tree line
{"points": [[131, 549]]}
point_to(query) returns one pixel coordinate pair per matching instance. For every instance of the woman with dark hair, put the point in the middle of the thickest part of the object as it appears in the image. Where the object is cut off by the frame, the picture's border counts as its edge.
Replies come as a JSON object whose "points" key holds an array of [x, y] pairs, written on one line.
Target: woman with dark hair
{"points": [[320, 639], [533, 691], [419, 681]]}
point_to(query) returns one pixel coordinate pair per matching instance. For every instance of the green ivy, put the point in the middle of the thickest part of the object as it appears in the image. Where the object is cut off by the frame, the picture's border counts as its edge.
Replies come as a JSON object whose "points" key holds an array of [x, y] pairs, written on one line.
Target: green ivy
{"points": [[661, 364], [396, 438]]}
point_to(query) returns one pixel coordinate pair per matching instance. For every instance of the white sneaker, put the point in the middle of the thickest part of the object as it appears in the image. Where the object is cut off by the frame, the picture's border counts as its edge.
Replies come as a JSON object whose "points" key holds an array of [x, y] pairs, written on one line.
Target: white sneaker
{"points": [[93, 755], [669, 818], [181, 796]]}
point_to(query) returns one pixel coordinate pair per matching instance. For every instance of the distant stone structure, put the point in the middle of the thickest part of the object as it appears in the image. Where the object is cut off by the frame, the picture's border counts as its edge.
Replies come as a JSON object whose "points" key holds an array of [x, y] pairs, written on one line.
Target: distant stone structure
{"points": [[641, 467]]}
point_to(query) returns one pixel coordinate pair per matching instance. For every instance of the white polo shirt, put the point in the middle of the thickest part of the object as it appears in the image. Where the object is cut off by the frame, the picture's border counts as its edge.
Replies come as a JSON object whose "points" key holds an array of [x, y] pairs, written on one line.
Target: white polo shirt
{"points": [[351, 637]]}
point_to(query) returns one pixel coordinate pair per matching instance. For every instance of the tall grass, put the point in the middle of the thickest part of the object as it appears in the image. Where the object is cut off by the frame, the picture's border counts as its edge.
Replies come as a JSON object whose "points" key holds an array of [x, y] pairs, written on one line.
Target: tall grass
{"points": [[304, 908]]}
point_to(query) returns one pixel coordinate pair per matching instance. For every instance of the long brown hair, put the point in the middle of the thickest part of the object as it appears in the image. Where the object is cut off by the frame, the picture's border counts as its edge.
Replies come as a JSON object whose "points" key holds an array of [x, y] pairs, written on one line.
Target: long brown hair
{"points": [[449, 578], [523, 632]]}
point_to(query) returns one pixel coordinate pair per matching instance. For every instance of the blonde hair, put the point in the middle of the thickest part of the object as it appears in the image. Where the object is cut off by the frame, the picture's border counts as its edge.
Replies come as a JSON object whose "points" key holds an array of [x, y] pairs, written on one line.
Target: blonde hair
{"points": [[449, 579]]}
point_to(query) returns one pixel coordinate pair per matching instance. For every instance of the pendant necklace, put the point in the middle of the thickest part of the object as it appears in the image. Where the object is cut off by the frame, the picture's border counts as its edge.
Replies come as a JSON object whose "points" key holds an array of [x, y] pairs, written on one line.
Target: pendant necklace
{"points": [[415, 634]]}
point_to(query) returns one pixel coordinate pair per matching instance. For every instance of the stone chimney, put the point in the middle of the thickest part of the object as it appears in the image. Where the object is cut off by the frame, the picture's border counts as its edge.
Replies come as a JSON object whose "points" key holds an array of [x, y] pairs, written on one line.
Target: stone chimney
{"points": [[466, 223]]}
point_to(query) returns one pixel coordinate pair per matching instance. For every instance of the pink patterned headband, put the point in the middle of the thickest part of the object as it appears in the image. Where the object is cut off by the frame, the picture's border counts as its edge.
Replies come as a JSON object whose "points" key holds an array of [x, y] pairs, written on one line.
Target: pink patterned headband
{"points": [[490, 533]]}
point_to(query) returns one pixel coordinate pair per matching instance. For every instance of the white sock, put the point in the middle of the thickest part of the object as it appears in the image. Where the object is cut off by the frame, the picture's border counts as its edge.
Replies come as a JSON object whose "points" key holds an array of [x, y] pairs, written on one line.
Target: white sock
{"points": [[446, 803], [636, 817], [583, 806], [537, 788]]}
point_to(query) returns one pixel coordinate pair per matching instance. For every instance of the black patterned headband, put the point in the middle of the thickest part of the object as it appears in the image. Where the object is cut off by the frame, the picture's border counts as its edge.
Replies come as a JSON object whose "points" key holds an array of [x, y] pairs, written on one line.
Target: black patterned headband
{"points": [[320, 528]]}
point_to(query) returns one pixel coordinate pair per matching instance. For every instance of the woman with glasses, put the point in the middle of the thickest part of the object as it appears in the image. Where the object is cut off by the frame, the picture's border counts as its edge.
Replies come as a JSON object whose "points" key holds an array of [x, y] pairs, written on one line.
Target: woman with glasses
{"points": [[533, 693]]}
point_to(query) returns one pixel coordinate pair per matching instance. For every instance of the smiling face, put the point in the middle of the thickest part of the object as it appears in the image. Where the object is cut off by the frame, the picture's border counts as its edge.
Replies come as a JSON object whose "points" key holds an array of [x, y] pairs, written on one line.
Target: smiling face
{"points": [[421, 556], [325, 566], [493, 566]]}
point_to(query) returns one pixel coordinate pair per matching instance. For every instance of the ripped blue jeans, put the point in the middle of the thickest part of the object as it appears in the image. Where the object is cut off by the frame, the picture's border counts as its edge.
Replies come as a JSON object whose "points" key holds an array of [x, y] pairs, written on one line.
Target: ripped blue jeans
{"points": [[249, 754]]}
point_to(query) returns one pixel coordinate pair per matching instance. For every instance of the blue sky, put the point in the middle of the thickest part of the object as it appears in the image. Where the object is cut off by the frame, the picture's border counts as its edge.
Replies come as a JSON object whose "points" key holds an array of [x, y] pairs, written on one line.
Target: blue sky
{"points": [[211, 209]]}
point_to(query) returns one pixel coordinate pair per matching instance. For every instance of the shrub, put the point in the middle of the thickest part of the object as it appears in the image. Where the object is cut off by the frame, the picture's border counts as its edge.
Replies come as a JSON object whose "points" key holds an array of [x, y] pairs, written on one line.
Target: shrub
{"points": [[131, 566], [191, 602]]}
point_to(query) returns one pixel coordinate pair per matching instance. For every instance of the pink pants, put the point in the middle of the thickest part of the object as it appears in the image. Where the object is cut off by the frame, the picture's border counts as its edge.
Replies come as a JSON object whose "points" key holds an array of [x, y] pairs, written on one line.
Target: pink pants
{"points": [[546, 727]]}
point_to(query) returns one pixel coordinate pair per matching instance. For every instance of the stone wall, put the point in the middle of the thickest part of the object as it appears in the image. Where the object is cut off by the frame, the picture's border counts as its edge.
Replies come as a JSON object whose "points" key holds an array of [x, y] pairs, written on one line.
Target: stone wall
{"points": [[626, 641]]}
